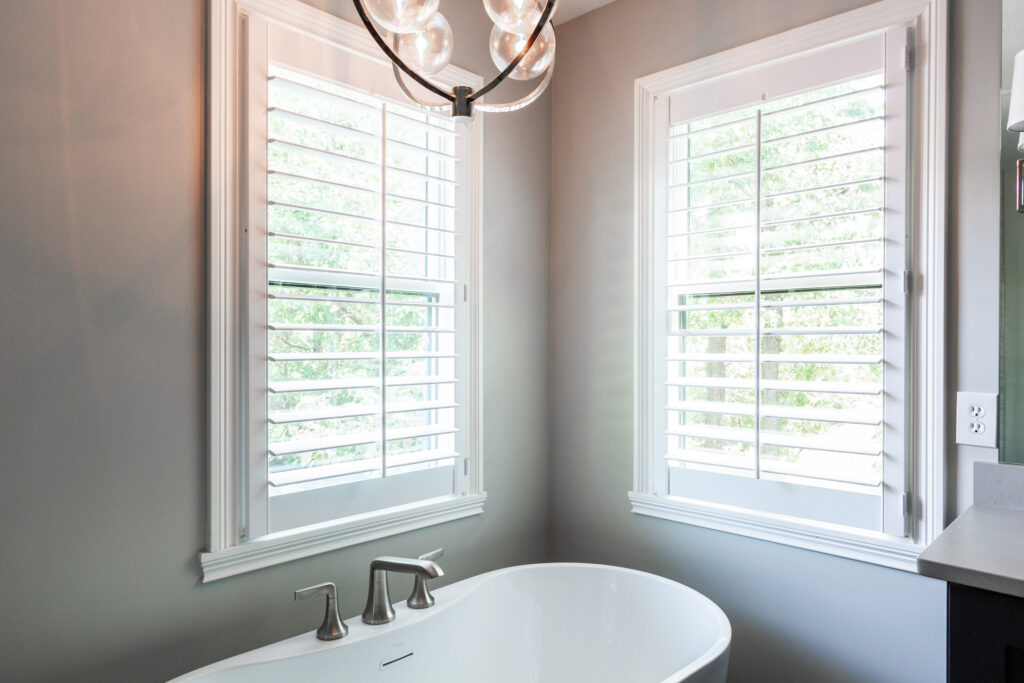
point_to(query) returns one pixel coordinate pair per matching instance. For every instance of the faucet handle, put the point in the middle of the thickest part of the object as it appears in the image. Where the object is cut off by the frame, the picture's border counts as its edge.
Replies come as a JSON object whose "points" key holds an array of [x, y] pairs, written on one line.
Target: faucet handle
{"points": [[420, 598], [332, 627]]}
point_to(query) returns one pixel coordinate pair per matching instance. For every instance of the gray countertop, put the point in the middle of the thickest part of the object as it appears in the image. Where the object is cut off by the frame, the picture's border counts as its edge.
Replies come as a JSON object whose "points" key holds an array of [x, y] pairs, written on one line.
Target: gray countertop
{"points": [[983, 548]]}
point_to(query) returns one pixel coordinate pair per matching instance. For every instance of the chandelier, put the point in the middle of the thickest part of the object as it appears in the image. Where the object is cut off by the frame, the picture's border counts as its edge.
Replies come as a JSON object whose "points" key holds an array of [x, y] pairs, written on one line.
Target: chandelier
{"points": [[522, 46]]}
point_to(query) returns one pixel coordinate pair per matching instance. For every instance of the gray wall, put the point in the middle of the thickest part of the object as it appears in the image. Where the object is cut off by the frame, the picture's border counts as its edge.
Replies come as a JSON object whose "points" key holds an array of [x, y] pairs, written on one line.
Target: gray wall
{"points": [[974, 273], [102, 346], [102, 402], [797, 615], [1011, 446]]}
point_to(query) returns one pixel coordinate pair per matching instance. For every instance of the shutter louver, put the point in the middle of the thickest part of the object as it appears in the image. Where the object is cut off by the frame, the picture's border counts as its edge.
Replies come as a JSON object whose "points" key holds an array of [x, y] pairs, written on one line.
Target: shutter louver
{"points": [[774, 262], [362, 285]]}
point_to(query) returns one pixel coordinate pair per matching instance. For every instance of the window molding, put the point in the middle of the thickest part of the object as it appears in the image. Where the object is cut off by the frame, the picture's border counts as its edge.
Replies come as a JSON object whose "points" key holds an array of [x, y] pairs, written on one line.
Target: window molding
{"points": [[228, 554], [318, 538], [927, 442]]}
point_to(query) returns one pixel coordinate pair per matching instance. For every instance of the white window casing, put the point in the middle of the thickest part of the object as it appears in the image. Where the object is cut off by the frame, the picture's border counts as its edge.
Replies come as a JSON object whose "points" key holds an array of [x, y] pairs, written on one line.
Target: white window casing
{"points": [[344, 364], [709, 446]]}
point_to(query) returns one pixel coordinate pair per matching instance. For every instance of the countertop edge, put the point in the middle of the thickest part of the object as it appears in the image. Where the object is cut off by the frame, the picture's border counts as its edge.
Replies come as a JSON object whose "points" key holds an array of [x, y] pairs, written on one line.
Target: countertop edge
{"points": [[953, 556]]}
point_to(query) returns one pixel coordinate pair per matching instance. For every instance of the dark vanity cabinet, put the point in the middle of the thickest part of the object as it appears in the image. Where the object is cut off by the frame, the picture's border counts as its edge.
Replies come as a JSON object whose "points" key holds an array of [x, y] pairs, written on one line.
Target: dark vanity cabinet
{"points": [[985, 636]]}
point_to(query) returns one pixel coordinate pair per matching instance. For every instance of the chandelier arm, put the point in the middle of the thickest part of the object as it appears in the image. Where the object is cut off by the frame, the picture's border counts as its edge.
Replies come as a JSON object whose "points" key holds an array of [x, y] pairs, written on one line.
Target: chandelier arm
{"points": [[396, 60], [429, 106], [523, 102], [548, 11]]}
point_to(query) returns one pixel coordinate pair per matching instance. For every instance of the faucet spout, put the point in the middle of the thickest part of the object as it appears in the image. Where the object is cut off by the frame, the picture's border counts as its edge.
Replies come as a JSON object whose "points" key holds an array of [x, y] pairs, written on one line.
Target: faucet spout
{"points": [[428, 569], [378, 599]]}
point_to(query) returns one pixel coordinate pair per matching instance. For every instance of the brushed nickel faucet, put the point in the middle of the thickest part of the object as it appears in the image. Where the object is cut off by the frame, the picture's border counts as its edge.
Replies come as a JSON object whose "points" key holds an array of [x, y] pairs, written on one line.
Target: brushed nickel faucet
{"points": [[378, 601], [332, 627], [420, 598]]}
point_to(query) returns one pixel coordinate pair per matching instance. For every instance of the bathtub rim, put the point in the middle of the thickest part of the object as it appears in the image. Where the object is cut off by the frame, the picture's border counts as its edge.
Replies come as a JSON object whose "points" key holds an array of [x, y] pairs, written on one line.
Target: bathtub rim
{"points": [[306, 643]]}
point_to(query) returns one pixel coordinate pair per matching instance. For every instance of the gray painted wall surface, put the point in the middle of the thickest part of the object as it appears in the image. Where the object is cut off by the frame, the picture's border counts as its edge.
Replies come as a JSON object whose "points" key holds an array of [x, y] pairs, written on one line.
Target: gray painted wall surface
{"points": [[1011, 436], [102, 351], [797, 615], [974, 273], [102, 347]]}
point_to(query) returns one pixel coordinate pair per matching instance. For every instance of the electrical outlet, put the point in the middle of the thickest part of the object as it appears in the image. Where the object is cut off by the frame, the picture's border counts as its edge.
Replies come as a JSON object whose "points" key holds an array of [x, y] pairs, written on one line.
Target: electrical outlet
{"points": [[977, 419]]}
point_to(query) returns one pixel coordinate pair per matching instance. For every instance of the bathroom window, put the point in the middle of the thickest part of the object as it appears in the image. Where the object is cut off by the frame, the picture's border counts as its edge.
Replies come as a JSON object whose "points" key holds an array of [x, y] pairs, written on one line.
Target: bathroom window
{"points": [[784, 342], [355, 391], [359, 388], [777, 296]]}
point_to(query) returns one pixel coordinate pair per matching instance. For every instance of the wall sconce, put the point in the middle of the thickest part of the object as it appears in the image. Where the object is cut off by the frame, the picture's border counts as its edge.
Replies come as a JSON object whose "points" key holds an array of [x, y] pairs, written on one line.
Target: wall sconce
{"points": [[1015, 121], [1020, 185]]}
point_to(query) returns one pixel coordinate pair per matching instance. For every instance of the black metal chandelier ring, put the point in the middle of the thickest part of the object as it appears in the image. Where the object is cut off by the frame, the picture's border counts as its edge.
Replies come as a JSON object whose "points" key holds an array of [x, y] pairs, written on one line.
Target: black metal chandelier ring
{"points": [[463, 100]]}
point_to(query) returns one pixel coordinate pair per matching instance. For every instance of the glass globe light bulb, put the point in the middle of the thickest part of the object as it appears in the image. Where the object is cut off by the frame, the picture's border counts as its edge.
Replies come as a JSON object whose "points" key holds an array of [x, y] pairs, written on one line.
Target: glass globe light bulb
{"points": [[429, 49], [401, 16], [515, 16], [505, 46]]}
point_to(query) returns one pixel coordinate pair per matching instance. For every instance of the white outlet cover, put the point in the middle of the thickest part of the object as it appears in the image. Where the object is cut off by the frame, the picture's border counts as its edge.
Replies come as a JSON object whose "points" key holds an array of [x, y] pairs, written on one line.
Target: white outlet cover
{"points": [[977, 421]]}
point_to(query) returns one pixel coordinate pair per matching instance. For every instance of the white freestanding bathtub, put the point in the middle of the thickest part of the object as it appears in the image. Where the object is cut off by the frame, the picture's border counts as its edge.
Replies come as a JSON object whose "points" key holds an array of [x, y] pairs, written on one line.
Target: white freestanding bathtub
{"points": [[542, 623]]}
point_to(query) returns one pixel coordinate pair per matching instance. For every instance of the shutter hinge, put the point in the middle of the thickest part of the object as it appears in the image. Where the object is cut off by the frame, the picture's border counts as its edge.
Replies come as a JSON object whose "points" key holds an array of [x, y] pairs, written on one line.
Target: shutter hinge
{"points": [[908, 282], [908, 504], [465, 292], [465, 466], [908, 57]]}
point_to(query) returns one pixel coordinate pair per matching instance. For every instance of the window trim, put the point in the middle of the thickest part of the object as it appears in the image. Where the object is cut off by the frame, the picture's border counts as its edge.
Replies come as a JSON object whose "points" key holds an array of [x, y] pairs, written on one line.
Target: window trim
{"points": [[228, 554], [926, 451]]}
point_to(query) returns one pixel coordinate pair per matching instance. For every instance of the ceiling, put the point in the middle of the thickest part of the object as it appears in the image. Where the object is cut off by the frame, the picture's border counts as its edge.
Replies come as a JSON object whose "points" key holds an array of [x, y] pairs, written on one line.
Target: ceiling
{"points": [[570, 9]]}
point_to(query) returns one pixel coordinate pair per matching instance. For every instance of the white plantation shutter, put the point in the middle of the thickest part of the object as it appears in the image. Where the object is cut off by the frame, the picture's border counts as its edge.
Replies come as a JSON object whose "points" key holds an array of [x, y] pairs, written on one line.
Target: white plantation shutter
{"points": [[783, 245], [356, 316]]}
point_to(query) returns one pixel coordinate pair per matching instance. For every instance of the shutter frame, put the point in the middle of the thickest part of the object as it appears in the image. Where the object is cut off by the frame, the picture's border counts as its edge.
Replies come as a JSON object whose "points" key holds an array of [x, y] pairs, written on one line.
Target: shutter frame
{"points": [[725, 287]]}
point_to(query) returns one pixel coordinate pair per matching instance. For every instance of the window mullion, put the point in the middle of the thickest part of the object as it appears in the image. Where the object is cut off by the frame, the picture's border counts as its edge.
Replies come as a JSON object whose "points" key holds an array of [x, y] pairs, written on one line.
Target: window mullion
{"points": [[757, 296], [383, 290], [689, 251]]}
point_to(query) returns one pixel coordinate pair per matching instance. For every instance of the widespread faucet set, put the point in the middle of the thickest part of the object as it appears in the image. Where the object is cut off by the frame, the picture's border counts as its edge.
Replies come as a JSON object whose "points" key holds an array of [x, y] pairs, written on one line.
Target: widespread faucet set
{"points": [[378, 601]]}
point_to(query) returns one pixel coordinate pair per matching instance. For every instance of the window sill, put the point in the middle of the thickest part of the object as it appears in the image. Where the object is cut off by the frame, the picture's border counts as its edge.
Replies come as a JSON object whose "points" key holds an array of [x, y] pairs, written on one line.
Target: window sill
{"points": [[874, 548], [319, 538]]}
